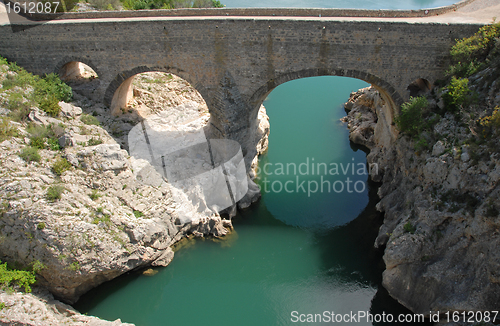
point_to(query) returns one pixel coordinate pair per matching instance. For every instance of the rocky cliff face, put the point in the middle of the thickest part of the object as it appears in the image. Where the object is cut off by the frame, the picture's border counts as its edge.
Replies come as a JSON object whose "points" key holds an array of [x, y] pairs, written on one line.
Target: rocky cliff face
{"points": [[113, 212], [441, 228]]}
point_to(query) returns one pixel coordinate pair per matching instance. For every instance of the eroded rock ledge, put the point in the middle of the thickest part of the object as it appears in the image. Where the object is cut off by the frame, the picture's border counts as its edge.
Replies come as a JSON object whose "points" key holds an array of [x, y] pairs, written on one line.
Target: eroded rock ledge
{"points": [[115, 214], [441, 227]]}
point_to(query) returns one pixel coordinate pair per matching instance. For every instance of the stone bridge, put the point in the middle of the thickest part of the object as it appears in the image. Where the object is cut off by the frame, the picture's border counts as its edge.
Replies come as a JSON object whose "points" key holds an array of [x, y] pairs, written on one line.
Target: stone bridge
{"points": [[234, 61]]}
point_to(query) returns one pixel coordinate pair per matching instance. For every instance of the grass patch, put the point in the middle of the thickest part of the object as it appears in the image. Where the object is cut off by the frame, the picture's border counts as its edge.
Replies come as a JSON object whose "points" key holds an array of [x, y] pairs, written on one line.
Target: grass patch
{"points": [[94, 141], [95, 194], [60, 166], [6, 130], [30, 154], [138, 214], [408, 227], [89, 119], [54, 193]]}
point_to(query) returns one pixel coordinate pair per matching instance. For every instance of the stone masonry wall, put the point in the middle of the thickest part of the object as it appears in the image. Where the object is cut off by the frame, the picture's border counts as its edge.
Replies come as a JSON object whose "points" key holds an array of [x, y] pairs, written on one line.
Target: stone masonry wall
{"points": [[234, 62]]}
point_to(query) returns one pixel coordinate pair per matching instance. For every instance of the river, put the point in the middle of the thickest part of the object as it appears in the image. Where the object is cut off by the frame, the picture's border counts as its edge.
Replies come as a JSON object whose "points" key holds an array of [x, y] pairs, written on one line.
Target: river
{"points": [[305, 248]]}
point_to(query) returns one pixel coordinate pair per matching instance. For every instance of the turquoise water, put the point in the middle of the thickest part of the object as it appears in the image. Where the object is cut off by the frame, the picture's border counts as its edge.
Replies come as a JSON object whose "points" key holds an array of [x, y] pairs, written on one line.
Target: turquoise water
{"points": [[364, 4], [290, 252]]}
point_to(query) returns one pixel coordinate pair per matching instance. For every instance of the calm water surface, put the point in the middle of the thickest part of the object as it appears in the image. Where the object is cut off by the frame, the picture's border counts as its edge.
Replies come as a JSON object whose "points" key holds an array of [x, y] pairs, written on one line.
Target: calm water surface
{"points": [[290, 251], [364, 4]]}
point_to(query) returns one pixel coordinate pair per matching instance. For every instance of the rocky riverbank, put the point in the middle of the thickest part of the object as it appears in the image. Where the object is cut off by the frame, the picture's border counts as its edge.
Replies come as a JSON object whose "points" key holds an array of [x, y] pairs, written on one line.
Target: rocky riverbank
{"points": [[440, 196], [86, 209]]}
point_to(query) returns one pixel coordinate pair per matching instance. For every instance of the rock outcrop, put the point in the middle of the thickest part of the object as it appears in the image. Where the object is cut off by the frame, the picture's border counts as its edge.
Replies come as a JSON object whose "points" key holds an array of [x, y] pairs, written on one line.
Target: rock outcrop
{"points": [[111, 212], [441, 229], [40, 308]]}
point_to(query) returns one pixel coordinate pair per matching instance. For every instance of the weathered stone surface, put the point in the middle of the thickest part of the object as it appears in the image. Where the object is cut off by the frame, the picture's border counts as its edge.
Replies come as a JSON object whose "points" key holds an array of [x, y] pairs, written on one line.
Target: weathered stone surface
{"points": [[69, 111], [440, 228], [40, 308]]}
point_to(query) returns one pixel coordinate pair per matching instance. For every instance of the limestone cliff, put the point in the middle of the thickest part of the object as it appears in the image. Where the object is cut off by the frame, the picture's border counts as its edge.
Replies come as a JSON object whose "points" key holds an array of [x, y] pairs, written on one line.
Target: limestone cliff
{"points": [[111, 212], [440, 198]]}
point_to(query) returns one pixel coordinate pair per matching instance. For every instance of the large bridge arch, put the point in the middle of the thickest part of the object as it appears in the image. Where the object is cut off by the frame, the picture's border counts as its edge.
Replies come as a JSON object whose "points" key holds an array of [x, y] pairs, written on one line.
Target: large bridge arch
{"points": [[120, 90], [387, 91]]}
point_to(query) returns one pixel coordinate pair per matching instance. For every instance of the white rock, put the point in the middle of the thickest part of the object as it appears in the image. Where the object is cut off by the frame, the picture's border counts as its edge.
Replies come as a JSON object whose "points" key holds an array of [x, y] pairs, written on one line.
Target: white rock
{"points": [[438, 148], [69, 111]]}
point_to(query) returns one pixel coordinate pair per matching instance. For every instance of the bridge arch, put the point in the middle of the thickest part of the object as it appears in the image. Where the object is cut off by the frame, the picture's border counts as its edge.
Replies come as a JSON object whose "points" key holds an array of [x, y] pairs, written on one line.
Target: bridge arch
{"points": [[387, 91], [120, 90], [68, 60]]}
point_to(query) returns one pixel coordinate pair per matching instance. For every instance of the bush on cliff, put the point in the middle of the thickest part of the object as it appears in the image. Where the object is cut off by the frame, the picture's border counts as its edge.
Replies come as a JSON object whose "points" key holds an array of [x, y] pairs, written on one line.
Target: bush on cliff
{"points": [[410, 119], [12, 277], [457, 94], [44, 92], [469, 55]]}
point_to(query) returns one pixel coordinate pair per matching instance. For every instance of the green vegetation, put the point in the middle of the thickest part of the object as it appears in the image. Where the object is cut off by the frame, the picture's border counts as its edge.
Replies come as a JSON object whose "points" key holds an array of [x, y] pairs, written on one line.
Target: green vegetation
{"points": [[408, 227], [95, 194], [45, 136], [458, 94], [74, 266], [89, 119], [472, 54], [170, 4], [44, 93], [410, 120], [13, 277], [40, 226], [138, 214], [30, 154], [60, 166], [491, 123], [54, 192], [94, 141], [6, 130]]}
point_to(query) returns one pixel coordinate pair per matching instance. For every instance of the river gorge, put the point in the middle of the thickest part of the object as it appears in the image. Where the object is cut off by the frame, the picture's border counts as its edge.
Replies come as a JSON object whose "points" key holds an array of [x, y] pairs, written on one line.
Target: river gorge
{"points": [[324, 239]]}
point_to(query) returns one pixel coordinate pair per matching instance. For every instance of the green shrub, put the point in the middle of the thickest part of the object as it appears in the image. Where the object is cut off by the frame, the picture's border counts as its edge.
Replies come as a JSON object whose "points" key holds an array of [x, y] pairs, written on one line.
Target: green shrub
{"points": [[47, 92], [50, 104], [6, 130], [170, 4], [421, 145], [457, 94], [74, 266], [491, 122], [217, 4], [94, 141], [10, 277], [469, 54], [138, 214], [54, 193], [89, 119], [37, 142], [408, 227], [52, 85], [95, 194], [53, 144], [410, 120], [40, 226], [60, 166], [19, 107], [30, 154]]}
